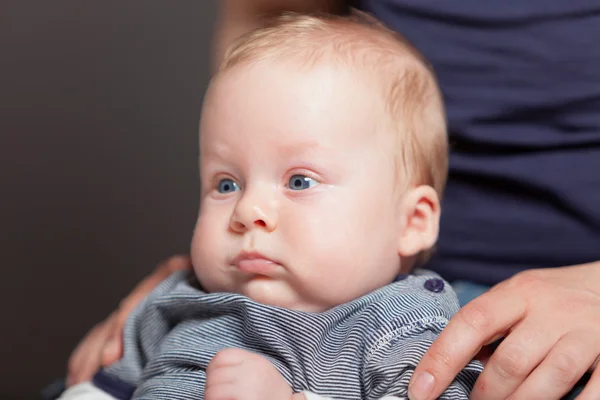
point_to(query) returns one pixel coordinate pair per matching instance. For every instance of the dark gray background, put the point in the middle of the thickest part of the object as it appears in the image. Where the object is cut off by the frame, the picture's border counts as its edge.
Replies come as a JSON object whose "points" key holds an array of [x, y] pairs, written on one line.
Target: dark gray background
{"points": [[99, 107]]}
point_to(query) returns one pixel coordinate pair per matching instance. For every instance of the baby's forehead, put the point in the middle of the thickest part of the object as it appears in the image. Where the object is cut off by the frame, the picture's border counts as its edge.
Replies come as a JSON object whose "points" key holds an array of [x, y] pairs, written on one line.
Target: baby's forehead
{"points": [[361, 41], [403, 95], [266, 92], [330, 98], [379, 62], [363, 63], [365, 88]]}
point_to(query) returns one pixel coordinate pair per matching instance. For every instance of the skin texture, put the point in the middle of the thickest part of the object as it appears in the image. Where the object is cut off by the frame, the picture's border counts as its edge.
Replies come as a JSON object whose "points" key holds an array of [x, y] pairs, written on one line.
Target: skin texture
{"points": [[539, 297], [240, 374], [550, 321], [345, 234], [350, 228], [103, 345]]}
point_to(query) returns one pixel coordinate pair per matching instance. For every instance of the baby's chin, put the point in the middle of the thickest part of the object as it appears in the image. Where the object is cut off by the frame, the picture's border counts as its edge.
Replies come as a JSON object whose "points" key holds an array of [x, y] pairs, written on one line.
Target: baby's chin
{"points": [[276, 293]]}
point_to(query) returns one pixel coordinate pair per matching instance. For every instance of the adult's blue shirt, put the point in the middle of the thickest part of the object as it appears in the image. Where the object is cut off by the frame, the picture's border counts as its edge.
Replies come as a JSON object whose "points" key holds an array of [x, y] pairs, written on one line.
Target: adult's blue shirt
{"points": [[521, 80]]}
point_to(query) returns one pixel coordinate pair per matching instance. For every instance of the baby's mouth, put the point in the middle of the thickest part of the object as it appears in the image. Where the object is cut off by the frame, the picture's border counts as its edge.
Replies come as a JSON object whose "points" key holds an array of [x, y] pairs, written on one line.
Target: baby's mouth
{"points": [[252, 263], [257, 266]]}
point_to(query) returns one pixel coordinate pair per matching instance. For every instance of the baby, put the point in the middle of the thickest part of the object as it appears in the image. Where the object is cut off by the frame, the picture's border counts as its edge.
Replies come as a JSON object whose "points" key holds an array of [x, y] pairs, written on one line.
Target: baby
{"points": [[323, 155]]}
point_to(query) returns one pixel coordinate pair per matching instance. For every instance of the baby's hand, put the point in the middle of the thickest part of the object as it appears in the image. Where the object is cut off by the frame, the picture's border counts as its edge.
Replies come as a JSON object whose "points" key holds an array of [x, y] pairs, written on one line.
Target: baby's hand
{"points": [[235, 374]]}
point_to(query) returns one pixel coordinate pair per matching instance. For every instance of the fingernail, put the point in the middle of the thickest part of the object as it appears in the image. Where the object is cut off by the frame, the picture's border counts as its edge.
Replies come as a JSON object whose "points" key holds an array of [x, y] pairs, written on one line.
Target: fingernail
{"points": [[421, 387]]}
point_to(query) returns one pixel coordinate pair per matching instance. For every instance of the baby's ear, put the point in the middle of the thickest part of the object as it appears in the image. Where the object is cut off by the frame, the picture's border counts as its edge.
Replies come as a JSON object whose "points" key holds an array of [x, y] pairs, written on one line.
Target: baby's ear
{"points": [[420, 221]]}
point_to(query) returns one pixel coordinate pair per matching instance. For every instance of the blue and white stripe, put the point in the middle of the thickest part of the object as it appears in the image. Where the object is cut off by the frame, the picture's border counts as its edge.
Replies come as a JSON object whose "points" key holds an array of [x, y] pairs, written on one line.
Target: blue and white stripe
{"points": [[365, 349]]}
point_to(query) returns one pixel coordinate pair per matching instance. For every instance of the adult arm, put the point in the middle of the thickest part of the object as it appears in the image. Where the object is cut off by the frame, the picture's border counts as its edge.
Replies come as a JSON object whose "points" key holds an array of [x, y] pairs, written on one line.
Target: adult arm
{"points": [[103, 345], [237, 17]]}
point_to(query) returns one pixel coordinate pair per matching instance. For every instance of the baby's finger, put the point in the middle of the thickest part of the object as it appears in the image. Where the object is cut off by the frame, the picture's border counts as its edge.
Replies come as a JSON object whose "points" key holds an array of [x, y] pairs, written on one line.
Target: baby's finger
{"points": [[220, 392], [220, 374], [568, 360], [226, 358]]}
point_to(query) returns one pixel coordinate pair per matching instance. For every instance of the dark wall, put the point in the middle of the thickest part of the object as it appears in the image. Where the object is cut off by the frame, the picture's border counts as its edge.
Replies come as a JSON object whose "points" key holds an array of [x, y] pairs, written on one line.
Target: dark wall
{"points": [[99, 106]]}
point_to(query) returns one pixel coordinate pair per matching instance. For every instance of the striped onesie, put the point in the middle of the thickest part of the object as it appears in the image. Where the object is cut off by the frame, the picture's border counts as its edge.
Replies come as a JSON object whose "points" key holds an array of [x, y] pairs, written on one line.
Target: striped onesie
{"points": [[364, 349]]}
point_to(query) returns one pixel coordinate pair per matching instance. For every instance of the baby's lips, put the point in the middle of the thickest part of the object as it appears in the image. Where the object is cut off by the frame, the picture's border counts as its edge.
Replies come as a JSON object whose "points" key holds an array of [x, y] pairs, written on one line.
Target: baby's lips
{"points": [[257, 266]]}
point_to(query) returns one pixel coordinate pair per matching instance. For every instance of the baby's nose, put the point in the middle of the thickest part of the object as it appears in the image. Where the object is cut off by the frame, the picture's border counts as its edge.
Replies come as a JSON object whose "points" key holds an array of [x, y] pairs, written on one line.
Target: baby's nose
{"points": [[253, 215]]}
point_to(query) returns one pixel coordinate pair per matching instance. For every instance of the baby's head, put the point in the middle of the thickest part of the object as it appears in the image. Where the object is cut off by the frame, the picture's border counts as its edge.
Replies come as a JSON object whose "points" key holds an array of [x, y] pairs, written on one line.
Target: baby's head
{"points": [[323, 154]]}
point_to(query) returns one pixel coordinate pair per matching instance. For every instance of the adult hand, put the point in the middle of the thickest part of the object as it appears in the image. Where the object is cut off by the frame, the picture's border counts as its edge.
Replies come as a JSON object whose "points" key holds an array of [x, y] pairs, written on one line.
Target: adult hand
{"points": [[550, 321], [103, 345]]}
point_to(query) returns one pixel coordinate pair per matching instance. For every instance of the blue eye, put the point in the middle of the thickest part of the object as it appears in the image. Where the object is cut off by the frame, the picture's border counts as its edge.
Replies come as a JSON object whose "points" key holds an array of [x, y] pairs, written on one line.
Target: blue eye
{"points": [[227, 186], [301, 182]]}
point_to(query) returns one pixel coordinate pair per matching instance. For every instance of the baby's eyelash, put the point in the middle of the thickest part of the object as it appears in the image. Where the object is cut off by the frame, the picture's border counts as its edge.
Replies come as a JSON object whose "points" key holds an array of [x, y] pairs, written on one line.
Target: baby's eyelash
{"points": [[302, 171]]}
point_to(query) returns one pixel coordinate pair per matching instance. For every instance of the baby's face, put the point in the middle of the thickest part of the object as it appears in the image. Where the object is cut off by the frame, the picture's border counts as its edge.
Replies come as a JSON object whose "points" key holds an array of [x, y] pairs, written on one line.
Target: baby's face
{"points": [[299, 204]]}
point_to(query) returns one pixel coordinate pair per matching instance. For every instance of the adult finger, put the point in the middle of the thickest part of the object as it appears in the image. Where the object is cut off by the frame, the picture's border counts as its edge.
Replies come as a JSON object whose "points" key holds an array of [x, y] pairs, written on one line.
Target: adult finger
{"points": [[142, 289], [112, 349], [509, 366], [85, 359], [592, 387], [565, 364], [175, 263], [595, 364], [474, 326], [160, 273]]}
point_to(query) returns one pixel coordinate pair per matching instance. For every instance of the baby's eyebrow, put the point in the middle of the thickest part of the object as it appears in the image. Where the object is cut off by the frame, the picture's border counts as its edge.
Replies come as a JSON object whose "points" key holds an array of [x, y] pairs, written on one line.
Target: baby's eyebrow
{"points": [[298, 148], [215, 152]]}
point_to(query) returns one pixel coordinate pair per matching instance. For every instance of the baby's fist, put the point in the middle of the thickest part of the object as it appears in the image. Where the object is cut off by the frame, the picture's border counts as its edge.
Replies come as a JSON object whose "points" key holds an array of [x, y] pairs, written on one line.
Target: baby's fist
{"points": [[235, 374]]}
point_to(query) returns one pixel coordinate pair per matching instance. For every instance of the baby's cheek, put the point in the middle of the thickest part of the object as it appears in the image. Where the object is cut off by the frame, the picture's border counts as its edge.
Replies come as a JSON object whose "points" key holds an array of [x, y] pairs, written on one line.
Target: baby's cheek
{"points": [[209, 253], [204, 244], [204, 260]]}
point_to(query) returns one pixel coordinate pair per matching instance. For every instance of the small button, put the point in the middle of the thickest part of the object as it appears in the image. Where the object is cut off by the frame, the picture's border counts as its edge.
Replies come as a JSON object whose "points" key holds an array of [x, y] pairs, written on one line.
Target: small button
{"points": [[401, 277], [434, 285]]}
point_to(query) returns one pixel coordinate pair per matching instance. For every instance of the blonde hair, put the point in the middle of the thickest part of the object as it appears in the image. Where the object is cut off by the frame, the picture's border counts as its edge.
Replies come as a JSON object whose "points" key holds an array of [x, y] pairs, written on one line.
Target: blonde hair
{"points": [[408, 85]]}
